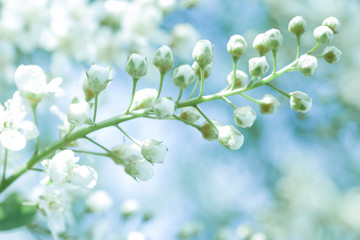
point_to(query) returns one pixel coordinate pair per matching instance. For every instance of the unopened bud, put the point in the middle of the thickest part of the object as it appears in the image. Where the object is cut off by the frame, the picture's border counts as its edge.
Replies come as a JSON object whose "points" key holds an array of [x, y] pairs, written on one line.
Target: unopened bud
{"points": [[189, 114], [127, 153], [300, 102], [154, 151], [163, 59], [89, 94], [307, 64], [323, 34], [136, 66], [209, 132], [244, 116], [268, 104], [163, 108], [258, 66], [144, 98], [273, 39], [78, 113], [183, 76], [333, 23], [297, 25], [207, 70], [203, 53], [141, 170], [240, 80], [259, 44], [98, 77], [236, 46], [331, 54], [230, 137], [129, 208]]}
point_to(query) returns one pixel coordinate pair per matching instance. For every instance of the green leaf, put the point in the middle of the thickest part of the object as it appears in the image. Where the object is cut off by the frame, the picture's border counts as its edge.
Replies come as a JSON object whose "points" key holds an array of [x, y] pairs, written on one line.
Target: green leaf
{"points": [[15, 212]]}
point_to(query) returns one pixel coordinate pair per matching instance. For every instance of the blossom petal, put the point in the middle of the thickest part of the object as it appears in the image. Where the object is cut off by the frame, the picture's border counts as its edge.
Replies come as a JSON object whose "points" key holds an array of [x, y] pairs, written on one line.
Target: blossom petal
{"points": [[30, 131], [13, 140], [84, 176], [53, 87]]}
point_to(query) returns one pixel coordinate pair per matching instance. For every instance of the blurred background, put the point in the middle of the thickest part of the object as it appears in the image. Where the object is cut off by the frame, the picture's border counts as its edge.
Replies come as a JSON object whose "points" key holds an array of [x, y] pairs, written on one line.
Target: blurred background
{"points": [[296, 176]]}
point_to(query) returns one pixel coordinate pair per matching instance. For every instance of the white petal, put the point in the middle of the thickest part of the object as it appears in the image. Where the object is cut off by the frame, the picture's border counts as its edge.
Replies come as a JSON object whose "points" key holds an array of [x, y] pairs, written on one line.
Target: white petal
{"points": [[65, 156], [12, 140], [84, 176], [58, 171], [30, 131], [53, 86]]}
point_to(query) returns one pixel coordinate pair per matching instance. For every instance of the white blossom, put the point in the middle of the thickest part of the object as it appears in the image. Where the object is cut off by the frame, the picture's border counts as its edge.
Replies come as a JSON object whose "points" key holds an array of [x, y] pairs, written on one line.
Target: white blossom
{"points": [[78, 112], [129, 208], [154, 151], [99, 201], [134, 235]]}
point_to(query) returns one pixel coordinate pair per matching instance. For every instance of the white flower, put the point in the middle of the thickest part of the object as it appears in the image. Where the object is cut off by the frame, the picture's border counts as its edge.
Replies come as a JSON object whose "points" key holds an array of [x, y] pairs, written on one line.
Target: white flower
{"points": [[78, 112], [134, 235], [129, 208], [164, 108], [230, 137], [98, 77], [32, 84], [244, 116], [300, 101], [144, 98], [64, 171], [127, 152], [14, 130], [99, 201], [154, 151]]}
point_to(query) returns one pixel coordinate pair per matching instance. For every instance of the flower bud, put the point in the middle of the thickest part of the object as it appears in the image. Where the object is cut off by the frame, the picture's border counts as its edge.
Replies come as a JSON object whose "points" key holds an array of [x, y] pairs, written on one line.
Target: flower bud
{"points": [[154, 151], [333, 23], [203, 53], [78, 113], [129, 208], [127, 153], [144, 98], [190, 114], [230, 137], [300, 102], [269, 104], [273, 39], [259, 44], [297, 25], [163, 59], [240, 80], [89, 94], [258, 66], [236, 46], [98, 77], [136, 66], [244, 116], [323, 34], [307, 64], [141, 170], [183, 76], [163, 108], [209, 132], [331, 54], [207, 70], [99, 201]]}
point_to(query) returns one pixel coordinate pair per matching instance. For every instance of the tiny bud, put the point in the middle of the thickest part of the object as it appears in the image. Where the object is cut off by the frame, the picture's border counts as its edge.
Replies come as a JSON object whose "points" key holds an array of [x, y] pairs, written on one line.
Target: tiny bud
{"points": [[258, 66], [127, 153], [183, 76], [99, 201], [154, 151], [98, 77], [297, 25], [273, 39], [259, 44], [300, 102], [163, 108], [333, 23], [129, 208], [230, 137], [89, 94], [323, 34], [163, 59], [141, 170], [136, 66], [207, 70], [144, 98], [190, 114], [240, 80], [203, 53], [269, 104], [244, 116], [209, 132], [236, 46], [78, 113], [307, 64], [331, 54]]}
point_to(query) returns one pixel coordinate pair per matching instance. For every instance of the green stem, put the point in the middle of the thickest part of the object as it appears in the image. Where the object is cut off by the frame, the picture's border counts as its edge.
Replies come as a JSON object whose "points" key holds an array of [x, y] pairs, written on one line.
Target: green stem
{"points": [[250, 98], [161, 84], [111, 153], [37, 169], [234, 74], [132, 94], [298, 46], [278, 90], [33, 109], [314, 48], [96, 97], [274, 61], [202, 75], [229, 102], [204, 116], [194, 89], [128, 136], [251, 82], [90, 153], [5, 163], [180, 95], [187, 122]]}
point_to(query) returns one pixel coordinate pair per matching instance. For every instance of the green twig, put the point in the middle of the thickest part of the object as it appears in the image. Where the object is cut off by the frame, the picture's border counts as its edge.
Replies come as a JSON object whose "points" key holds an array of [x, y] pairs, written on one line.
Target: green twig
{"points": [[180, 95], [128, 136], [161, 84], [250, 98], [33, 109], [204, 116], [132, 94], [278, 90], [229, 102], [186, 122], [96, 97], [90, 153], [5, 163], [314, 48], [202, 75], [234, 74], [194, 89]]}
